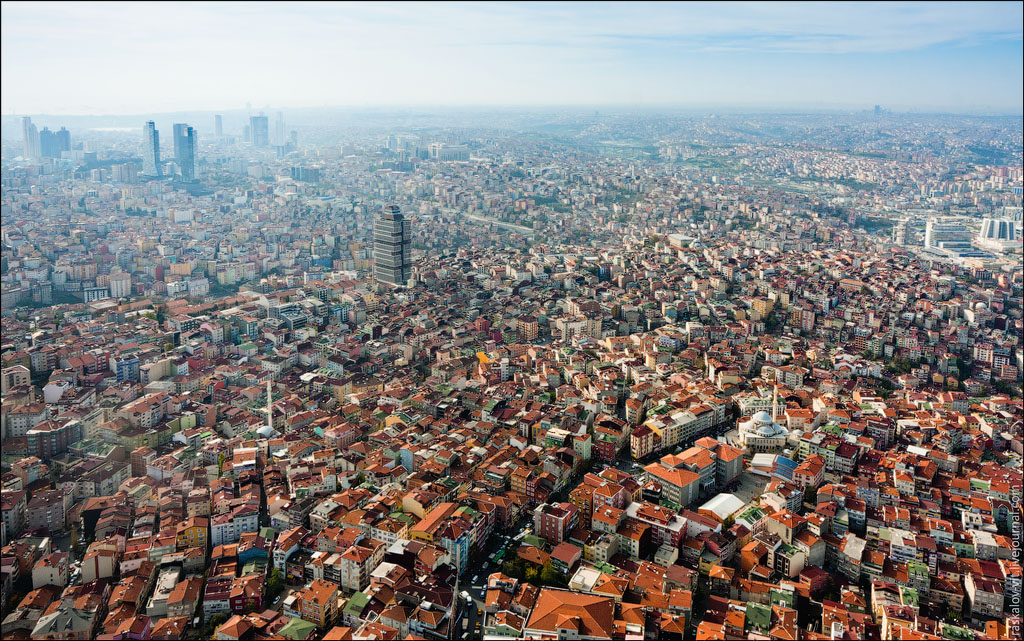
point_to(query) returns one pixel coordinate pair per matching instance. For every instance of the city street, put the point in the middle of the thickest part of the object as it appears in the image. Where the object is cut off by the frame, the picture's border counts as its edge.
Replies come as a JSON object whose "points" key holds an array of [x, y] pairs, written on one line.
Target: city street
{"points": [[477, 589]]}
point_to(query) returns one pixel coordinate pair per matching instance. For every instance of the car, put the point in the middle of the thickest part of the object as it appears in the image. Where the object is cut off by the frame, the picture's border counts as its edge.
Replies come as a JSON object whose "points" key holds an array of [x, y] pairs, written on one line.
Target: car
{"points": [[475, 578], [465, 595], [479, 612]]}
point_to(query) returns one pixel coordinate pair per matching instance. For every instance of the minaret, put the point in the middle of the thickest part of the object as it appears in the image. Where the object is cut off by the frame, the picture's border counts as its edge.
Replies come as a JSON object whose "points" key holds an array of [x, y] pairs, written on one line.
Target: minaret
{"points": [[270, 408], [775, 401]]}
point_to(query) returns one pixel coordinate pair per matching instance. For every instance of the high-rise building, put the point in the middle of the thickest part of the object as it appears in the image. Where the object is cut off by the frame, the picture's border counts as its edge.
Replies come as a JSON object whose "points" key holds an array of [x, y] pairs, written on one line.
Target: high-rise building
{"points": [[176, 137], [51, 143], [392, 247], [899, 232], [259, 128], [48, 144], [31, 138], [63, 140], [279, 130], [185, 151], [218, 126], [151, 149]]}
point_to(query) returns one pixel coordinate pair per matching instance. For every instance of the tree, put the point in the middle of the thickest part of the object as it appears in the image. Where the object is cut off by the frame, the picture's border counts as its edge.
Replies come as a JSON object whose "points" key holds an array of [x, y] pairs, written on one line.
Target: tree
{"points": [[531, 575], [811, 495], [216, 621], [550, 576], [275, 583]]}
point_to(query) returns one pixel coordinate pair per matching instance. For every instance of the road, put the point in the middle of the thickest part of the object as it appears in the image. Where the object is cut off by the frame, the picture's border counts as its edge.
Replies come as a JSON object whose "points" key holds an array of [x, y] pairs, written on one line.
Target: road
{"points": [[474, 579], [527, 231]]}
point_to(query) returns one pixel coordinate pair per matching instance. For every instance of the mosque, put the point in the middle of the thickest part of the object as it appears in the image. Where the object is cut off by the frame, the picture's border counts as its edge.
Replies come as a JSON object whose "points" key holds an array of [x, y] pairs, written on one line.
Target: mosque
{"points": [[760, 433]]}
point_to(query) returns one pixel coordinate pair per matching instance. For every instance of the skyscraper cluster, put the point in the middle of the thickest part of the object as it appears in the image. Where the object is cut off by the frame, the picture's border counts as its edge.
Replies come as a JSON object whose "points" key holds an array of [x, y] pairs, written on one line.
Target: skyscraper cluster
{"points": [[185, 156], [45, 143]]}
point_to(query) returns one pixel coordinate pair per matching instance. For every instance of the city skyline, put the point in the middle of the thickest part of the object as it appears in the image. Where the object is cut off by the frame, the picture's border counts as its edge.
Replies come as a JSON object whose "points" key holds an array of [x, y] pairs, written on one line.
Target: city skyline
{"points": [[945, 57]]}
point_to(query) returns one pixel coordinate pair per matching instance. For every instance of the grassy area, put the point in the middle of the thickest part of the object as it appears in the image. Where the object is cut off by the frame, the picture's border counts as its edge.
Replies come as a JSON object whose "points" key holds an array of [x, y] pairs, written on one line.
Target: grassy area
{"points": [[713, 162]]}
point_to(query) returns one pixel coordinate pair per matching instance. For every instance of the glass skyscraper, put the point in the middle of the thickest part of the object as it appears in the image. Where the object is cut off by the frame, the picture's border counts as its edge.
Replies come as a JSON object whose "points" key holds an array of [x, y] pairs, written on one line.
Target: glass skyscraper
{"points": [[151, 149], [260, 131], [392, 247], [185, 151]]}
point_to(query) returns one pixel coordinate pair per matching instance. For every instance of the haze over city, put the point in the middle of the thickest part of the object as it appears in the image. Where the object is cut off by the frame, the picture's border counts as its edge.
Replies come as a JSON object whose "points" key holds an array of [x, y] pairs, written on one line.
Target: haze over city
{"points": [[135, 58], [465, 321]]}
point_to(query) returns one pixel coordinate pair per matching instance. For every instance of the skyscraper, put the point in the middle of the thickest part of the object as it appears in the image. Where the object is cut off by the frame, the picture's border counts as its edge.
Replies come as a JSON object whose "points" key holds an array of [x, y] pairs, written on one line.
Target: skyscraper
{"points": [[151, 149], [218, 126], [176, 137], [48, 144], [279, 130], [392, 247], [185, 151], [63, 140], [31, 138], [260, 131]]}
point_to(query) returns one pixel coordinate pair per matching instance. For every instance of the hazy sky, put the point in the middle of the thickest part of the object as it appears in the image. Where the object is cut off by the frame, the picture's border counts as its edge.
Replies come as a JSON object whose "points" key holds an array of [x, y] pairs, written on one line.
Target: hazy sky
{"points": [[128, 58]]}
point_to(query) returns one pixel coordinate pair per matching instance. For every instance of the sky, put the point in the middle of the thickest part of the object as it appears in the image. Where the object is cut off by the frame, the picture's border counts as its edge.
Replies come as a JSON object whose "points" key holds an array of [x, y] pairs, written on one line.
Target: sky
{"points": [[134, 58]]}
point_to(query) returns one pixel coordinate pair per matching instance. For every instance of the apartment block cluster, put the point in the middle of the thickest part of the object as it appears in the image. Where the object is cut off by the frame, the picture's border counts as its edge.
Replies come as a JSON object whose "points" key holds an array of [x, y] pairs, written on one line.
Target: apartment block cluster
{"points": [[471, 392]]}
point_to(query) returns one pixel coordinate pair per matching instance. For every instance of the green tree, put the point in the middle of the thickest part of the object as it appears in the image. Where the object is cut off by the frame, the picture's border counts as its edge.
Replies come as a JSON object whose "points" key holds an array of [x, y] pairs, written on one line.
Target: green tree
{"points": [[275, 584], [216, 621], [550, 576], [531, 575]]}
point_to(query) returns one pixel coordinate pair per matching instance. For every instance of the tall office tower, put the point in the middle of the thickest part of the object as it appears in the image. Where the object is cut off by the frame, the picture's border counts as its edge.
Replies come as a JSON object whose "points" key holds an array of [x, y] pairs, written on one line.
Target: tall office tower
{"points": [[247, 133], [63, 140], [31, 136], [177, 136], [259, 129], [48, 144], [185, 152], [218, 126], [392, 247], [151, 149], [279, 129]]}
